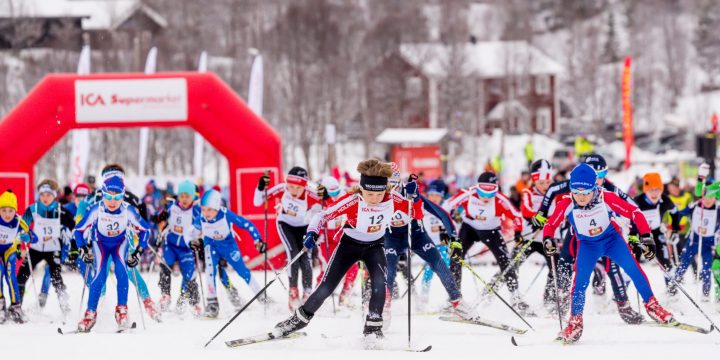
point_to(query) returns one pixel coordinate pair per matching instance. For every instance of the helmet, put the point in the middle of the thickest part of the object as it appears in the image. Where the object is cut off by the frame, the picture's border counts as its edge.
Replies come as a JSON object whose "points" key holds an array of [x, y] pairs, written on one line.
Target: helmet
{"points": [[598, 163], [331, 185], [541, 170], [211, 199]]}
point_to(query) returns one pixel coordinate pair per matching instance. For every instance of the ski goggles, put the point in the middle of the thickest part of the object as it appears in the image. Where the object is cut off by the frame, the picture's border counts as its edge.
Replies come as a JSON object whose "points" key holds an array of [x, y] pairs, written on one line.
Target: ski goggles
{"points": [[582, 192], [334, 193], [601, 174], [116, 197], [487, 191]]}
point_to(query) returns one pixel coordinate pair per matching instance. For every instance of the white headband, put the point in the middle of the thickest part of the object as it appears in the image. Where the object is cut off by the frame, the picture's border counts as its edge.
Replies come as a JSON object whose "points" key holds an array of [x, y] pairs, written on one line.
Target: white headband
{"points": [[45, 188]]}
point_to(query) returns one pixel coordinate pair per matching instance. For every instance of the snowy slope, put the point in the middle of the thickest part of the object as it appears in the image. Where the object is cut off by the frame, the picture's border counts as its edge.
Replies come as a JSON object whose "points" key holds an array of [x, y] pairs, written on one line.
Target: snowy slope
{"points": [[605, 336]]}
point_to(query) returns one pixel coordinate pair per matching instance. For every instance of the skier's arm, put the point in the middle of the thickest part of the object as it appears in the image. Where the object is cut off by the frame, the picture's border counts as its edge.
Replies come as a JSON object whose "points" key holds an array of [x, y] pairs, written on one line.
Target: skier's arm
{"points": [[504, 207], [86, 222], [627, 210], [244, 224], [554, 190], [272, 193], [344, 205], [557, 217], [526, 205], [403, 204]]}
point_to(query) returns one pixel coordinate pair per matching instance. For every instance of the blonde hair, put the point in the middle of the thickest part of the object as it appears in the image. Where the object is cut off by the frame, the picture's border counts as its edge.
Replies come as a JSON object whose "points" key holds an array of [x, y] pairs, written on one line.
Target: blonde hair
{"points": [[372, 167]]}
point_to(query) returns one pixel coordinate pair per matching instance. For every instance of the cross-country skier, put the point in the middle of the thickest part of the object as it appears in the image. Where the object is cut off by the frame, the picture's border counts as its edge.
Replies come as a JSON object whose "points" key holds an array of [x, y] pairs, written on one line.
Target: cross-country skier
{"points": [[654, 205], [368, 209], [541, 174], [51, 226], [484, 209], [296, 205], [561, 190], [590, 211], [436, 229], [396, 243], [704, 224], [182, 219], [217, 238], [107, 172], [13, 229], [111, 220]]}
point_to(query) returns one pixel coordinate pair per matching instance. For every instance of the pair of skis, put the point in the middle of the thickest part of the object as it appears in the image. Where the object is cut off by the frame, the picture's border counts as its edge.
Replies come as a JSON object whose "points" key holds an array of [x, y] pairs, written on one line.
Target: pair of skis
{"points": [[76, 331], [267, 337], [672, 325]]}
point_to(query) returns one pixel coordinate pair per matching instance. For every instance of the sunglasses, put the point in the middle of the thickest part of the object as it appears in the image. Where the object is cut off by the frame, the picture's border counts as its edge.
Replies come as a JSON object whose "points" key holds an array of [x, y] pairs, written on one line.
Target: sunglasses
{"points": [[582, 192], [116, 197], [601, 174]]}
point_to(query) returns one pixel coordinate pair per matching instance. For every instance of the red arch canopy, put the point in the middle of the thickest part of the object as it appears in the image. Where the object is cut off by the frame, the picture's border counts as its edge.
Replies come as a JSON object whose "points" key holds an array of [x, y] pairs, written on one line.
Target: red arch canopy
{"points": [[62, 102]]}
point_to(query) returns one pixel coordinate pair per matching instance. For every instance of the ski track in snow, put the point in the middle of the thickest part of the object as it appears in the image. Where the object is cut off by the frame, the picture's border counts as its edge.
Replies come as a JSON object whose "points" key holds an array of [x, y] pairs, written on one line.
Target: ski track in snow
{"points": [[605, 335]]}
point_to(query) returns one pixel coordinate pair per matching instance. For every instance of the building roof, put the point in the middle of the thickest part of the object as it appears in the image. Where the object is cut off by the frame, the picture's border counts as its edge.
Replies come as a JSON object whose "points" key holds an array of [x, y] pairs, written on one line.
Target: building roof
{"points": [[95, 14], [490, 59], [411, 136]]}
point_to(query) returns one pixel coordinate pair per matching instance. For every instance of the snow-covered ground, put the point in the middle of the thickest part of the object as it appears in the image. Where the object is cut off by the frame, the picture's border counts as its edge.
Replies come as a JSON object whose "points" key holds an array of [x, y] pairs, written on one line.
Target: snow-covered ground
{"points": [[605, 335]]}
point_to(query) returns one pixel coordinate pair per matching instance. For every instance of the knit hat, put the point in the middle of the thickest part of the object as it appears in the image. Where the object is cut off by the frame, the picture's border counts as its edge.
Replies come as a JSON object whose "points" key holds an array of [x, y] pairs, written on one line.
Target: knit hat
{"points": [[8, 199], [331, 185], [652, 181], [713, 190], [211, 199], [541, 170], [114, 184], [186, 187], [82, 189], [487, 185], [437, 187], [583, 176], [297, 176]]}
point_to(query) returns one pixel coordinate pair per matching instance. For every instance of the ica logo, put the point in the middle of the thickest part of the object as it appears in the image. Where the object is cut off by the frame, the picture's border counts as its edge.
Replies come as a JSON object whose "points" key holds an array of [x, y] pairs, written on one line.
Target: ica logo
{"points": [[91, 99]]}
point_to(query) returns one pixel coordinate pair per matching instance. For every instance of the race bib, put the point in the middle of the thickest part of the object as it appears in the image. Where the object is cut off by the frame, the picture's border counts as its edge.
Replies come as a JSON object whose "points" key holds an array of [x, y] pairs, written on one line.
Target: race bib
{"points": [[112, 225], [592, 222], [7, 234], [293, 207], [218, 230], [374, 219]]}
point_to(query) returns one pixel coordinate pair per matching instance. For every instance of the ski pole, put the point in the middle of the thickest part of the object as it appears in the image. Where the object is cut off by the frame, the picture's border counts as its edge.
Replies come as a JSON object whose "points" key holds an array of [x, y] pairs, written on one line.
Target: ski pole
{"points": [[272, 268], [327, 252], [411, 202], [265, 238], [32, 278], [698, 258], [487, 286], [414, 279], [277, 275], [137, 291], [515, 261], [557, 290], [85, 285], [686, 294]]}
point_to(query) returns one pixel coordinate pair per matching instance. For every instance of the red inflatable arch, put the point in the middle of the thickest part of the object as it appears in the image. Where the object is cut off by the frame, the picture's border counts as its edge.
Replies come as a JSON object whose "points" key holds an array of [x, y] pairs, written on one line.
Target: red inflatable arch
{"points": [[62, 102]]}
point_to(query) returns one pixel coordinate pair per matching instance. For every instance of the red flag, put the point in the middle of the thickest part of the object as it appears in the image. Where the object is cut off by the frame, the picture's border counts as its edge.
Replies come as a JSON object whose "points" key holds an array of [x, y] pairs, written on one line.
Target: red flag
{"points": [[627, 111], [714, 120]]}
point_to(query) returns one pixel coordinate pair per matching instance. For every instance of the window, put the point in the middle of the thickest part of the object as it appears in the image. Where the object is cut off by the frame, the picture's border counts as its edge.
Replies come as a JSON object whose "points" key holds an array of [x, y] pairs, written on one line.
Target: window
{"points": [[495, 87], [542, 84], [413, 87], [543, 120], [522, 86]]}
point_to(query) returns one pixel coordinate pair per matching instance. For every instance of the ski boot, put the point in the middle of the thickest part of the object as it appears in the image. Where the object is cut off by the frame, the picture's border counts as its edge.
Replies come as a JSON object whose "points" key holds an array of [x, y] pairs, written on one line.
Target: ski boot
{"points": [[521, 306], [629, 315], [212, 309], [3, 314], [87, 322], [16, 313], [42, 299], [373, 331], [151, 309], [235, 298], [165, 301], [297, 321], [573, 330], [121, 316], [294, 302], [463, 310], [657, 312]]}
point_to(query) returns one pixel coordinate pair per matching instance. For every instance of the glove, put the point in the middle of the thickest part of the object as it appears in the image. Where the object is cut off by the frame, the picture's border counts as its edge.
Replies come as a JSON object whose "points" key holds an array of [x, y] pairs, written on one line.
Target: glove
{"points": [[444, 238], [411, 189], [261, 246], [73, 255], [703, 171], [196, 244], [310, 239], [549, 245], [134, 258], [647, 245], [86, 255], [322, 192], [455, 248], [537, 222], [264, 181]]}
